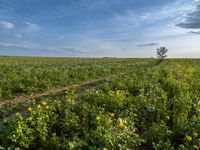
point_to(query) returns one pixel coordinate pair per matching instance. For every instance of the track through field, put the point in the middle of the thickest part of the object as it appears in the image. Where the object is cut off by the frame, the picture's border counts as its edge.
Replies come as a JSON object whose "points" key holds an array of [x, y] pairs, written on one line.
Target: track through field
{"points": [[57, 90]]}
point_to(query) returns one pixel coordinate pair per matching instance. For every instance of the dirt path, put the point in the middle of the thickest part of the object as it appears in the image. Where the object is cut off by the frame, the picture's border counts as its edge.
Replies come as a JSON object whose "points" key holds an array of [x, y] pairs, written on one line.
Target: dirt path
{"points": [[54, 91], [84, 87], [50, 92]]}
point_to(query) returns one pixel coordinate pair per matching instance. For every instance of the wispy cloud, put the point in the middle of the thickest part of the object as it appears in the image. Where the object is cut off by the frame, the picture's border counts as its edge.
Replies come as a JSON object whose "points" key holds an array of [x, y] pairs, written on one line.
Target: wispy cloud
{"points": [[155, 14], [97, 28], [30, 46], [194, 32], [134, 25], [18, 45], [5, 25], [72, 50], [192, 19], [32, 27], [148, 44]]}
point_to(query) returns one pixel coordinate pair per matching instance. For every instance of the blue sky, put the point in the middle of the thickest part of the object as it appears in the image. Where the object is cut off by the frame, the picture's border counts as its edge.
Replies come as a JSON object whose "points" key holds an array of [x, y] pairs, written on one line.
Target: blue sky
{"points": [[96, 28]]}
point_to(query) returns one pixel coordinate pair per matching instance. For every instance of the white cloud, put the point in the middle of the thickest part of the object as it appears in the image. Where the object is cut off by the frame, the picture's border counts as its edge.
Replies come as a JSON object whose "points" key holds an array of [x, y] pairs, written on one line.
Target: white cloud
{"points": [[173, 10], [17, 45], [32, 27], [5, 25], [125, 26], [37, 47]]}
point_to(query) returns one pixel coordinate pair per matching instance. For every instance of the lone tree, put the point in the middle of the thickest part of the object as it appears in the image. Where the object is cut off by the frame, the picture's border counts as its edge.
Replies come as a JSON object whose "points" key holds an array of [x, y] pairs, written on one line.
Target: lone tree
{"points": [[161, 52]]}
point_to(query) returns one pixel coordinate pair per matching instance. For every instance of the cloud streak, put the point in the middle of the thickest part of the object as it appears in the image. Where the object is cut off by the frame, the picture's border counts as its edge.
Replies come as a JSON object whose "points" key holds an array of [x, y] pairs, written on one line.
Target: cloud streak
{"points": [[5, 25], [148, 44], [194, 32], [36, 47], [95, 28], [32, 27], [191, 20]]}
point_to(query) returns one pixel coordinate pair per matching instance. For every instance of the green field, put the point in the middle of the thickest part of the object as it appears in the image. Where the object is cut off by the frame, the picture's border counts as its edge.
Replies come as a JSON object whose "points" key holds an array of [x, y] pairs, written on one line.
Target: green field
{"points": [[24, 75], [137, 104]]}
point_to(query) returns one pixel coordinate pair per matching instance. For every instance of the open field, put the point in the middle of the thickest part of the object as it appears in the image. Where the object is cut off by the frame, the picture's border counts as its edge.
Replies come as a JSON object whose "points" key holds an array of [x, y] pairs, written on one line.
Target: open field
{"points": [[100, 103], [25, 75]]}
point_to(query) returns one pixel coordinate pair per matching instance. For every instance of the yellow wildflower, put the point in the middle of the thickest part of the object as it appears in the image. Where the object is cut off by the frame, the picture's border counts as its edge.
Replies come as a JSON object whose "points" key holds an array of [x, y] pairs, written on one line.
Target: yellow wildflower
{"points": [[112, 114], [44, 103], [194, 134], [119, 119], [167, 117], [29, 109], [121, 125], [38, 106], [98, 118], [105, 148], [30, 118], [188, 138], [181, 146]]}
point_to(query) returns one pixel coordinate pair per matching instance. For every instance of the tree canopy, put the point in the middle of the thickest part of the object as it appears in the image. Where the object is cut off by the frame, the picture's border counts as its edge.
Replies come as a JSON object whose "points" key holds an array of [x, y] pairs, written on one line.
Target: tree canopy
{"points": [[161, 52]]}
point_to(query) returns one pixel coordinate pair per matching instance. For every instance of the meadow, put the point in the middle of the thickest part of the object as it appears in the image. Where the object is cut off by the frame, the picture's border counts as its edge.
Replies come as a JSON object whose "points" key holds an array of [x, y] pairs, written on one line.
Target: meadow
{"points": [[25, 75], [142, 104]]}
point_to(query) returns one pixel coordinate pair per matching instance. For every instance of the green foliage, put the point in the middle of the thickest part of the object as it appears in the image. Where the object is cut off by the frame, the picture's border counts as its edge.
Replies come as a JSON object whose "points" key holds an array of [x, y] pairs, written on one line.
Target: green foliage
{"points": [[22, 75], [151, 107]]}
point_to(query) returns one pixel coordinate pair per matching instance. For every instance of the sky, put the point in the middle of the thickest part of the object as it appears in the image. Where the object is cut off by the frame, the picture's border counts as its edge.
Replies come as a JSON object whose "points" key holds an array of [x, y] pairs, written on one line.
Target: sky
{"points": [[99, 28]]}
